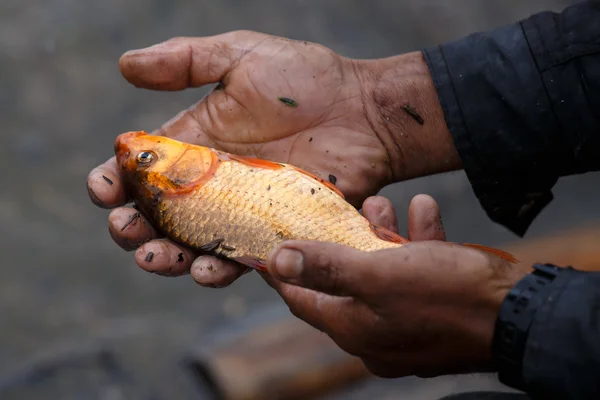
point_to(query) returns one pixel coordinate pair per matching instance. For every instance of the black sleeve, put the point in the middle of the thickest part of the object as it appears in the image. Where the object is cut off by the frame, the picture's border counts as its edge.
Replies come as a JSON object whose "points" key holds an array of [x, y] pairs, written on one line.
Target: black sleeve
{"points": [[523, 105], [561, 356]]}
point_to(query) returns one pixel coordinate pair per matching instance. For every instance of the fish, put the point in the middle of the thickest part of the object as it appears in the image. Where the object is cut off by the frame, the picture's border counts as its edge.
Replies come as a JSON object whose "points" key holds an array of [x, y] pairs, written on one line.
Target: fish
{"points": [[238, 207]]}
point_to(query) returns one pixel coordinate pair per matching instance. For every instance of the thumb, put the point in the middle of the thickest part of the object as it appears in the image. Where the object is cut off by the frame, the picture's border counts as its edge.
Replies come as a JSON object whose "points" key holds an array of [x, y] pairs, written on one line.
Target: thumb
{"points": [[324, 267], [185, 62]]}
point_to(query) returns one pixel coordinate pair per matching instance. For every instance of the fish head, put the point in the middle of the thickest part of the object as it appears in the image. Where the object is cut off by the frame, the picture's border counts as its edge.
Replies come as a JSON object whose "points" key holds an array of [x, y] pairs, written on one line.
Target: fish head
{"points": [[152, 166]]}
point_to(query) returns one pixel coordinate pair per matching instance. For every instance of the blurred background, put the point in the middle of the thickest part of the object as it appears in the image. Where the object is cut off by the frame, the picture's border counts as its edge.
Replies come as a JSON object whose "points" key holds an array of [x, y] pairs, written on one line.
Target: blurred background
{"points": [[65, 286]]}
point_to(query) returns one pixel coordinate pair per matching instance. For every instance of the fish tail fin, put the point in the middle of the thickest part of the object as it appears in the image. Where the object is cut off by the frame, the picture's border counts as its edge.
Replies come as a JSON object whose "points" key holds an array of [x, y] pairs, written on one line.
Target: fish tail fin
{"points": [[498, 253], [387, 235]]}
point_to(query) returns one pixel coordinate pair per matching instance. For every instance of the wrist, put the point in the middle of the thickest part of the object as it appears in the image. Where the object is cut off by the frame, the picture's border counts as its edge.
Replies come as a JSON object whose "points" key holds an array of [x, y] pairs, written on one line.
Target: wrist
{"points": [[478, 320], [402, 108]]}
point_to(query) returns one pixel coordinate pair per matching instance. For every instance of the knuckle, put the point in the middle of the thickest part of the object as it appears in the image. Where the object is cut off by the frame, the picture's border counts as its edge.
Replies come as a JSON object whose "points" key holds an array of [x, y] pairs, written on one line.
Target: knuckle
{"points": [[177, 39], [327, 270], [242, 32]]}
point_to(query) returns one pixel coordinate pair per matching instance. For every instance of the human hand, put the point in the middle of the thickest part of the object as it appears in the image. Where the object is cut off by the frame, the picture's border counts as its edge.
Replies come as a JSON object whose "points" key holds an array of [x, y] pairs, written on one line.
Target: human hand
{"points": [[428, 308], [345, 123]]}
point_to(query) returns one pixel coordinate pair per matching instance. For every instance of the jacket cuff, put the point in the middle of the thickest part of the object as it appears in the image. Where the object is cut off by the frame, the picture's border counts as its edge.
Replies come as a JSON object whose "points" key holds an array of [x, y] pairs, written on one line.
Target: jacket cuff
{"points": [[562, 355]]}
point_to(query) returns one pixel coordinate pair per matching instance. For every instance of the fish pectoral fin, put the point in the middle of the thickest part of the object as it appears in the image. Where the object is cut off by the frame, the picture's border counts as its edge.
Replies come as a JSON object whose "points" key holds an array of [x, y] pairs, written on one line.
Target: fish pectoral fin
{"points": [[211, 246], [387, 235], [252, 262], [490, 250]]}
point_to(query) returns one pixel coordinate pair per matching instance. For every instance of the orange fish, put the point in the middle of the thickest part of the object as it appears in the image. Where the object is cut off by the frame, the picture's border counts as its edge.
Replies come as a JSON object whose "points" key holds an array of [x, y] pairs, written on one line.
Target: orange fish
{"points": [[237, 207]]}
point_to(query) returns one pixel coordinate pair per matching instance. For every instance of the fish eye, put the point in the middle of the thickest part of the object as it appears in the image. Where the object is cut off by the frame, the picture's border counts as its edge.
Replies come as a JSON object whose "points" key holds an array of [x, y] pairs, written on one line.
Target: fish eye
{"points": [[145, 157]]}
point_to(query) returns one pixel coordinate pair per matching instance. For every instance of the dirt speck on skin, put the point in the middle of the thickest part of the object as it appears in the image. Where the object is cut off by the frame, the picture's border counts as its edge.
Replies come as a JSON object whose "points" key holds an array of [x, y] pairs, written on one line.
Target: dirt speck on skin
{"points": [[413, 113], [332, 179], [288, 102], [180, 257], [132, 220], [149, 256], [110, 182]]}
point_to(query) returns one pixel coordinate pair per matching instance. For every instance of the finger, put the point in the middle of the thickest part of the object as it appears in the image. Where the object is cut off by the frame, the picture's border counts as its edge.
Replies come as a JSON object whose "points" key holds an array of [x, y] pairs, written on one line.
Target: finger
{"points": [[325, 267], [213, 272], [185, 62], [380, 211], [129, 229], [425, 219], [105, 187], [163, 257]]}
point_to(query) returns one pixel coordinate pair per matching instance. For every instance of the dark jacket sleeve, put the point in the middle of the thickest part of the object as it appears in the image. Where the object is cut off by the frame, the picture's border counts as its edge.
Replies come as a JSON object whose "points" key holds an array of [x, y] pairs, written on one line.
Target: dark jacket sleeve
{"points": [[523, 105], [562, 353]]}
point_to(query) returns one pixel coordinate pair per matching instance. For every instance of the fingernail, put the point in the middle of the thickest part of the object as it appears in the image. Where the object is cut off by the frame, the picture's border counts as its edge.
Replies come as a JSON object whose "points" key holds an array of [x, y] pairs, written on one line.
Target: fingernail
{"points": [[289, 263]]}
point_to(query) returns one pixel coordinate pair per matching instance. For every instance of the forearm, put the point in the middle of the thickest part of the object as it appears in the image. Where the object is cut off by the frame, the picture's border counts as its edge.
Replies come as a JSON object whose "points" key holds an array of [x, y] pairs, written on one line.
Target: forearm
{"points": [[517, 107], [522, 103]]}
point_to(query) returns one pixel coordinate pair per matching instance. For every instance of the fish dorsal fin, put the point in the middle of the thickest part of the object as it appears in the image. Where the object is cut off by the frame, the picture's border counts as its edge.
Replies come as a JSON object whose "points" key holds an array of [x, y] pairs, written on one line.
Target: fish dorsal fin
{"points": [[253, 162], [322, 181], [498, 253], [387, 235]]}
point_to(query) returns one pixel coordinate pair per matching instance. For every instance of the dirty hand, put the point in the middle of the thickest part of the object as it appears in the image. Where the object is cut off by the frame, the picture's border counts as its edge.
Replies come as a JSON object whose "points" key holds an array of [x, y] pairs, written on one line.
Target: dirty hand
{"points": [[426, 309], [286, 101]]}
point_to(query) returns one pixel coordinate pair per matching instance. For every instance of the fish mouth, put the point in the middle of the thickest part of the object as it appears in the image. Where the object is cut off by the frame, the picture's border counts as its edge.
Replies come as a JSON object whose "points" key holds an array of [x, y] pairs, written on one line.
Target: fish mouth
{"points": [[123, 146]]}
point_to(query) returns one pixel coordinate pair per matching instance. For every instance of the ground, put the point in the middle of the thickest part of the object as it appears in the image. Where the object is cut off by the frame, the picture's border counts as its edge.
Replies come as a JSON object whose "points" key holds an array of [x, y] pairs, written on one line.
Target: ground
{"points": [[63, 101]]}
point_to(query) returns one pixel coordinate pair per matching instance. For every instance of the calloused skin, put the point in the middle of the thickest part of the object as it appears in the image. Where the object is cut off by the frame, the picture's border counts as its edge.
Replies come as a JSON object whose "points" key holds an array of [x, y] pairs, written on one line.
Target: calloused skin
{"points": [[337, 127]]}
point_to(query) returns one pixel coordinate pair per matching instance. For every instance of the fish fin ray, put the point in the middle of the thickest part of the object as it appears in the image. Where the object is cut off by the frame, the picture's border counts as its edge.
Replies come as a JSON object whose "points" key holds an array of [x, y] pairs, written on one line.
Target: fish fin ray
{"points": [[498, 253], [255, 162], [387, 235]]}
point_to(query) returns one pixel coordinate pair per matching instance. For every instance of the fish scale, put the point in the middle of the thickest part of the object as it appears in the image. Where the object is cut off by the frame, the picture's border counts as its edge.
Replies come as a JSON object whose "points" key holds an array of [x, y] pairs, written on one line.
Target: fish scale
{"points": [[234, 196], [239, 207]]}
